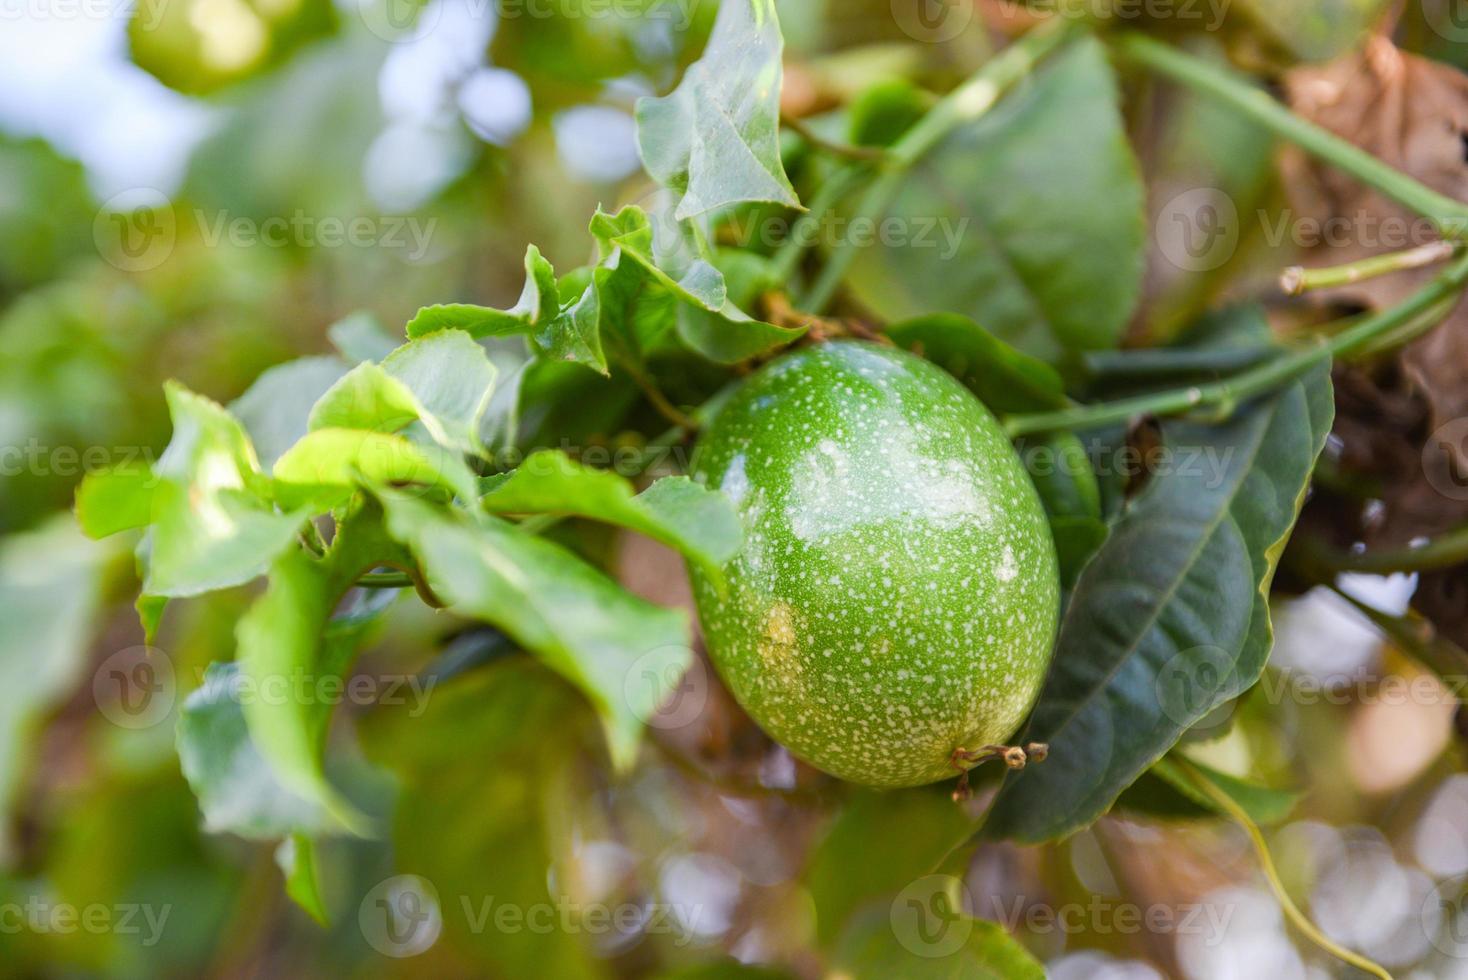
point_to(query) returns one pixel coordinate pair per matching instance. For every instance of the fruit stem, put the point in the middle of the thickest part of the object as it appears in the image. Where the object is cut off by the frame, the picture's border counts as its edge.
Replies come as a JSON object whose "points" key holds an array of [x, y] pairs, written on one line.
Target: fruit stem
{"points": [[1450, 216], [1298, 279], [1226, 395], [1014, 756], [966, 103]]}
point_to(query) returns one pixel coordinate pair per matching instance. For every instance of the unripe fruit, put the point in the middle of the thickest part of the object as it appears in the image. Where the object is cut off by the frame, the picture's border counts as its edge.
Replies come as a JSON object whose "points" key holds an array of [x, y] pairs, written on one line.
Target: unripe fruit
{"points": [[897, 595]]}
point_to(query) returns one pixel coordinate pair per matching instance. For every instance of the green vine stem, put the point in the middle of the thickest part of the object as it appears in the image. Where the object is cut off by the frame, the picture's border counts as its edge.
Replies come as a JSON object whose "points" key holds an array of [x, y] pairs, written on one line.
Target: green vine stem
{"points": [[1450, 216], [1444, 551], [964, 104], [1298, 279], [1227, 804], [1415, 636], [1224, 396]]}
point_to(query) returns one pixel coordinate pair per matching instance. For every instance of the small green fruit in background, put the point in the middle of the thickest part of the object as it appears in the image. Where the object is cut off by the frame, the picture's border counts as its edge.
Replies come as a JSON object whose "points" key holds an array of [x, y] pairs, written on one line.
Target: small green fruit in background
{"points": [[897, 595]]}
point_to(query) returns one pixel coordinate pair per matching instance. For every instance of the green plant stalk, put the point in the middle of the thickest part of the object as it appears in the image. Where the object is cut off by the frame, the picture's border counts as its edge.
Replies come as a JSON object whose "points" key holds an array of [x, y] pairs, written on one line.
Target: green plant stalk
{"points": [[1228, 805], [1415, 636], [803, 231], [1225, 395], [1444, 551], [1298, 279], [1449, 216], [966, 103]]}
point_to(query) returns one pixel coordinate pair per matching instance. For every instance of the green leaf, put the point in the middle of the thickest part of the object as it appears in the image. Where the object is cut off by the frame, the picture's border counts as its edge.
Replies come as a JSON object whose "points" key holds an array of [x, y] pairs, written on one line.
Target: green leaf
{"points": [[213, 526], [1171, 617], [709, 319], [913, 942], [884, 111], [288, 637], [325, 468], [50, 592], [700, 523], [1033, 217], [1264, 804], [1005, 379], [296, 858], [490, 786], [360, 337], [726, 970], [582, 624], [236, 789], [366, 398], [1067, 484], [716, 137], [113, 500], [452, 378], [539, 303], [918, 828], [275, 408]]}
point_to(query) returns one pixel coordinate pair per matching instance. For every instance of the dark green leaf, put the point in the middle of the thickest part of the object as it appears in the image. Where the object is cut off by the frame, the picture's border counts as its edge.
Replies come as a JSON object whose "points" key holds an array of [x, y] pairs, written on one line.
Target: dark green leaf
{"points": [[918, 829], [716, 138], [1004, 379], [931, 940], [1046, 247], [1171, 617], [886, 110]]}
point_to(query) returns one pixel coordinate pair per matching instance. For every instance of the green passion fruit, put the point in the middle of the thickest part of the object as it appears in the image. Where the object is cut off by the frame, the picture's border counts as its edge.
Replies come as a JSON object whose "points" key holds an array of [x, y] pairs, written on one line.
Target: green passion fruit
{"points": [[897, 595]]}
